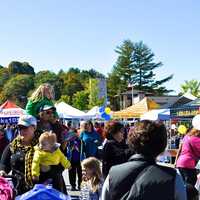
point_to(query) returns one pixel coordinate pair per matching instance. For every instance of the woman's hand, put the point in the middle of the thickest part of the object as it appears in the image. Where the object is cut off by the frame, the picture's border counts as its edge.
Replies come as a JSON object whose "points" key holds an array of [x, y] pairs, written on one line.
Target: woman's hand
{"points": [[3, 173]]}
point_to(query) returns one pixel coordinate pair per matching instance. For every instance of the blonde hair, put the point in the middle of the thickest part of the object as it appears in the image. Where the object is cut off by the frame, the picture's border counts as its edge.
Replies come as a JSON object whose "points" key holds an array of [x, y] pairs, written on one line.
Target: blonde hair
{"points": [[47, 137], [94, 165], [41, 92], [194, 132]]}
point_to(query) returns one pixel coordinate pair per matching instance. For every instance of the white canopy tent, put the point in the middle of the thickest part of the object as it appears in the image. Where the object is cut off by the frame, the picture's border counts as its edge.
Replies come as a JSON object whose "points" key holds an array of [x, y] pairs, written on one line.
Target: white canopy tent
{"points": [[93, 113], [10, 112], [153, 114], [68, 112]]}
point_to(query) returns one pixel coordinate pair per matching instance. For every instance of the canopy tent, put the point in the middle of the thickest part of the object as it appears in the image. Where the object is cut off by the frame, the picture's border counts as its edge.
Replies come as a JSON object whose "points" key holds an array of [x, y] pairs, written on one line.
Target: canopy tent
{"points": [[93, 113], [10, 112], [154, 114], [188, 110], [136, 110], [164, 116], [68, 112]]}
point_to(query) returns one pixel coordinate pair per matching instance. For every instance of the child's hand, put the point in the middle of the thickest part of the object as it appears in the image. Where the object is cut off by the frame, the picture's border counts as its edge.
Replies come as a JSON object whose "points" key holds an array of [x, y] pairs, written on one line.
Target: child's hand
{"points": [[35, 178]]}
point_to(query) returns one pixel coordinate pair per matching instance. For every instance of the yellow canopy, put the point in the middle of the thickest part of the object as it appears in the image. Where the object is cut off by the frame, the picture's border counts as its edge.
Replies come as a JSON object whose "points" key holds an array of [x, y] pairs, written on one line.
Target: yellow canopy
{"points": [[136, 110]]}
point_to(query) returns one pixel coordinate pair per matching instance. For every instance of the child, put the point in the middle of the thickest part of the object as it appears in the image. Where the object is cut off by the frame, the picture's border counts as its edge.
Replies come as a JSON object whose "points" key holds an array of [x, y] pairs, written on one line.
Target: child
{"points": [[47, 155], [43, 95], [75, 154], [92, 178]]}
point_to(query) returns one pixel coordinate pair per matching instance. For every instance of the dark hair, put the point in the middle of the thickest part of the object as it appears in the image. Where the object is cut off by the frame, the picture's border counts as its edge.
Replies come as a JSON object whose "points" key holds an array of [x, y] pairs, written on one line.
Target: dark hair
{"points": [[90, 122], [111, 128], [148, 138]]}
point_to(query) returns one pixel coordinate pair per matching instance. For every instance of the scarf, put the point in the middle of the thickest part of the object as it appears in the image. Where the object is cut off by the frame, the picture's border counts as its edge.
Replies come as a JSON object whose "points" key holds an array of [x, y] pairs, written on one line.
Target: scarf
{"points": [[29, 153]]}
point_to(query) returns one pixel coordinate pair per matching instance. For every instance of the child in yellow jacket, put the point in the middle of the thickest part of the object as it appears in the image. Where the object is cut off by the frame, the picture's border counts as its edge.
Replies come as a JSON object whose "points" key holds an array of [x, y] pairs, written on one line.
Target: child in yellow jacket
{"points": [[47, 154]]}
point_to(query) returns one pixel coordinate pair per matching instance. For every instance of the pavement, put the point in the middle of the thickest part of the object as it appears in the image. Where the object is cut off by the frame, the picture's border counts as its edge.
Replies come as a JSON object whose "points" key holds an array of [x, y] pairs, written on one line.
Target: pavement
{"points": [[74, 194]]}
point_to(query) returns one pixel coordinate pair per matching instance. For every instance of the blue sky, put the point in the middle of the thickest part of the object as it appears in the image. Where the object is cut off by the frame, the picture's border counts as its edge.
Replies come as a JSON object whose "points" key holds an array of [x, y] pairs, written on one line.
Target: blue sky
{"points": [[58, 34]]}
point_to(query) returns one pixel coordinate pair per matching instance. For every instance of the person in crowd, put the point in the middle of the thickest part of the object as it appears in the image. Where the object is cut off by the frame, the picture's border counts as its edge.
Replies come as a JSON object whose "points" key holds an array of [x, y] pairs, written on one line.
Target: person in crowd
{"points": [[115, 151], [91, 140], [141, 177], [9, 132], [99, 130], [189, 153], [47, 157], [17, 156], [75, 153], [47, 121], [3, 141], [43, 95], [81, 128], [92, 179]]}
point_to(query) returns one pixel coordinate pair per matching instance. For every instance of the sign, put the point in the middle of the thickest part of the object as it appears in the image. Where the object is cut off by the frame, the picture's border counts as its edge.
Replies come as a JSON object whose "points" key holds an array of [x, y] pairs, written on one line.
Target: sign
{"points": [[185, 112]]}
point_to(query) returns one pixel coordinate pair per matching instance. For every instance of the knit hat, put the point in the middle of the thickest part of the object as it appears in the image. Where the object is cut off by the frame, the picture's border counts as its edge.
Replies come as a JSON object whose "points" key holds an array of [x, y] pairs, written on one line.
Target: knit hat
{"points": [[196, 122]]}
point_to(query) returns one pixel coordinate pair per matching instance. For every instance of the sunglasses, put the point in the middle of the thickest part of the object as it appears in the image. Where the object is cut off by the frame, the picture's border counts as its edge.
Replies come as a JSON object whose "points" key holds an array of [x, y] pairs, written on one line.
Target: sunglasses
{"points": [[49, 112], [22, 127]]}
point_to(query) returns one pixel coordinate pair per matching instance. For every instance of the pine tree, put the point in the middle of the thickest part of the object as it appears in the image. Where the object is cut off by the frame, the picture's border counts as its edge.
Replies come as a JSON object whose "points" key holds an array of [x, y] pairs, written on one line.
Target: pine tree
{"points": [[143, 66]]}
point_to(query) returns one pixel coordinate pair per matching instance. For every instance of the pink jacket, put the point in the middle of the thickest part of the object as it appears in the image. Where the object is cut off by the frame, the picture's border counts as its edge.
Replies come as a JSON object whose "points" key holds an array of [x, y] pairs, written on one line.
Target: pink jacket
{"points": [[190, 152]]}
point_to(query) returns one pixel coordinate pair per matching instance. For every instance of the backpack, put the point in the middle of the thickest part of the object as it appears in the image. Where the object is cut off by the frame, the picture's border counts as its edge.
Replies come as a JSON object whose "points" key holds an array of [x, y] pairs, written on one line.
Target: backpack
{"points": [[6, 192]]}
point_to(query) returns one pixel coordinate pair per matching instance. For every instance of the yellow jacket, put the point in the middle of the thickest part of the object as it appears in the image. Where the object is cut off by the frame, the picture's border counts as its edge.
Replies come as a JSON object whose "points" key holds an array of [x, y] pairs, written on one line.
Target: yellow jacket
{"points": [[47, 158]]}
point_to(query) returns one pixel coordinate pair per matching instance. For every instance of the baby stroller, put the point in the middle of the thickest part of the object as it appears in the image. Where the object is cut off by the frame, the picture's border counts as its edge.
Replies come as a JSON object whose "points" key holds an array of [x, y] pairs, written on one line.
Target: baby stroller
{"points": [[6, 189]]}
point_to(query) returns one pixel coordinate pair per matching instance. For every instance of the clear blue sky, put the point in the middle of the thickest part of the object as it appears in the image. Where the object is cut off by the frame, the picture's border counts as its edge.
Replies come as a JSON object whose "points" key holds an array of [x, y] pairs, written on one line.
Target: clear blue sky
{"points": [[58, 34]]}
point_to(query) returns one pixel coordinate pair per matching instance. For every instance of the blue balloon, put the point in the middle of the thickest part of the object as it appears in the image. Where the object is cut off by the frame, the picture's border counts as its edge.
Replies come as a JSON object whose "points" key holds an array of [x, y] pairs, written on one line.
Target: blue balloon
{"points": [[107, 118], [102, 109], [103, 115]]}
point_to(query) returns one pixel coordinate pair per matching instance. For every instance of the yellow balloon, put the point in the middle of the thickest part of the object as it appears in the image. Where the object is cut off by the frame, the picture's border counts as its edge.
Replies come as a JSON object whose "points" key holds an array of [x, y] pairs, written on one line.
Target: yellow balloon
{"points": [[182, 129], [107, 110]]}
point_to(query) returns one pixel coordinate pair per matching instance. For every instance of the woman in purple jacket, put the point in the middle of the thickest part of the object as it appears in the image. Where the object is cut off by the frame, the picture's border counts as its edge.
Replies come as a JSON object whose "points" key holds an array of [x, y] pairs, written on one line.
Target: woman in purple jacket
{"points": [[190, 153]]}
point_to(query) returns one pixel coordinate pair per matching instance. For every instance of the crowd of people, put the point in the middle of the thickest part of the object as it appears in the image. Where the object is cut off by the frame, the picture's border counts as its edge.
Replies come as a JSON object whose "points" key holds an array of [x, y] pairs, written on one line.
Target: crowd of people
{"points": [[41, 147]]}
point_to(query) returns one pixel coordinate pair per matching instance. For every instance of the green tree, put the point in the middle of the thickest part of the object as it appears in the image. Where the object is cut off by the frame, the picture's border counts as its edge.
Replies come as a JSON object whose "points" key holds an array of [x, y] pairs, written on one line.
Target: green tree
{"points": [[16, 67], [71, 84], [4, 77], [80, 100], [143, 77], [17, 88], [51, 78], [64, 98], [192, 86]]}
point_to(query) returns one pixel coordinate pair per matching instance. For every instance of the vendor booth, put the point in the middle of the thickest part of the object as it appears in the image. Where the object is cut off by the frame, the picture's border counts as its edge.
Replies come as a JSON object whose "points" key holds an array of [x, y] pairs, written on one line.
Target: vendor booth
{"points": [[136, 110], [187, 111], [10, 112]]}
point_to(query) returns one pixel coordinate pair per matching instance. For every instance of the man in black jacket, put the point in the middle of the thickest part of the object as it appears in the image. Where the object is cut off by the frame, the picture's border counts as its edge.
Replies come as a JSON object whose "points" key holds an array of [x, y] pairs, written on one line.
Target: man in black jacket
{"points": [[141, 178]]}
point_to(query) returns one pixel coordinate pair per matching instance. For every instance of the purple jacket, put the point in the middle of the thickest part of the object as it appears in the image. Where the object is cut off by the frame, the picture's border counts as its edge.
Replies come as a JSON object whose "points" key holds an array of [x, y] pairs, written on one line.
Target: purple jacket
{"points": [[190, 152]]}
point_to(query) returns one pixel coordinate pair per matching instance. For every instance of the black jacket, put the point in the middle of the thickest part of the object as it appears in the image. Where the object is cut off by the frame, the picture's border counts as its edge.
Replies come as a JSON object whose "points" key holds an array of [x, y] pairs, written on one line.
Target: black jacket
{"points": [[114, 153], [141, 179]]}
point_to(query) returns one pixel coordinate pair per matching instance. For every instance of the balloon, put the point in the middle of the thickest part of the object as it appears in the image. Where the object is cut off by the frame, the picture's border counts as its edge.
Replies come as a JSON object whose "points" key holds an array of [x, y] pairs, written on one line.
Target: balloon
{"points": [[182, 129], [107, 110], [103, 115], [107, 118], [101, 109]]}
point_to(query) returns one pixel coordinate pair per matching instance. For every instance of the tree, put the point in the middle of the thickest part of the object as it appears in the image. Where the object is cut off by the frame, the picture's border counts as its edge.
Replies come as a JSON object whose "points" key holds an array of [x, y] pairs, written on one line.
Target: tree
{"points": [[192, 86], [122, 71], [4, 77], [80, 100], [71, 84], [51, 78], [16, 67], [143, 77], [64, 98], [17, 88]]}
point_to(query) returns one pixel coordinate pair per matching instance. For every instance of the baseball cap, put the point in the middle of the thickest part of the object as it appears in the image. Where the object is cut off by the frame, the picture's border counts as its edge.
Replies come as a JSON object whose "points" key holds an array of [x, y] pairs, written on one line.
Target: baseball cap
{"points": [[27, 120], [196, 122], [46, 107]]}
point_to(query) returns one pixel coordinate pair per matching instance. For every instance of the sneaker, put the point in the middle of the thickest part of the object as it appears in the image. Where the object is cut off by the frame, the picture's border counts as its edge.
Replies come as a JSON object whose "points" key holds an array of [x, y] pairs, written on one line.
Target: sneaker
{"points": [[73, 189]]}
